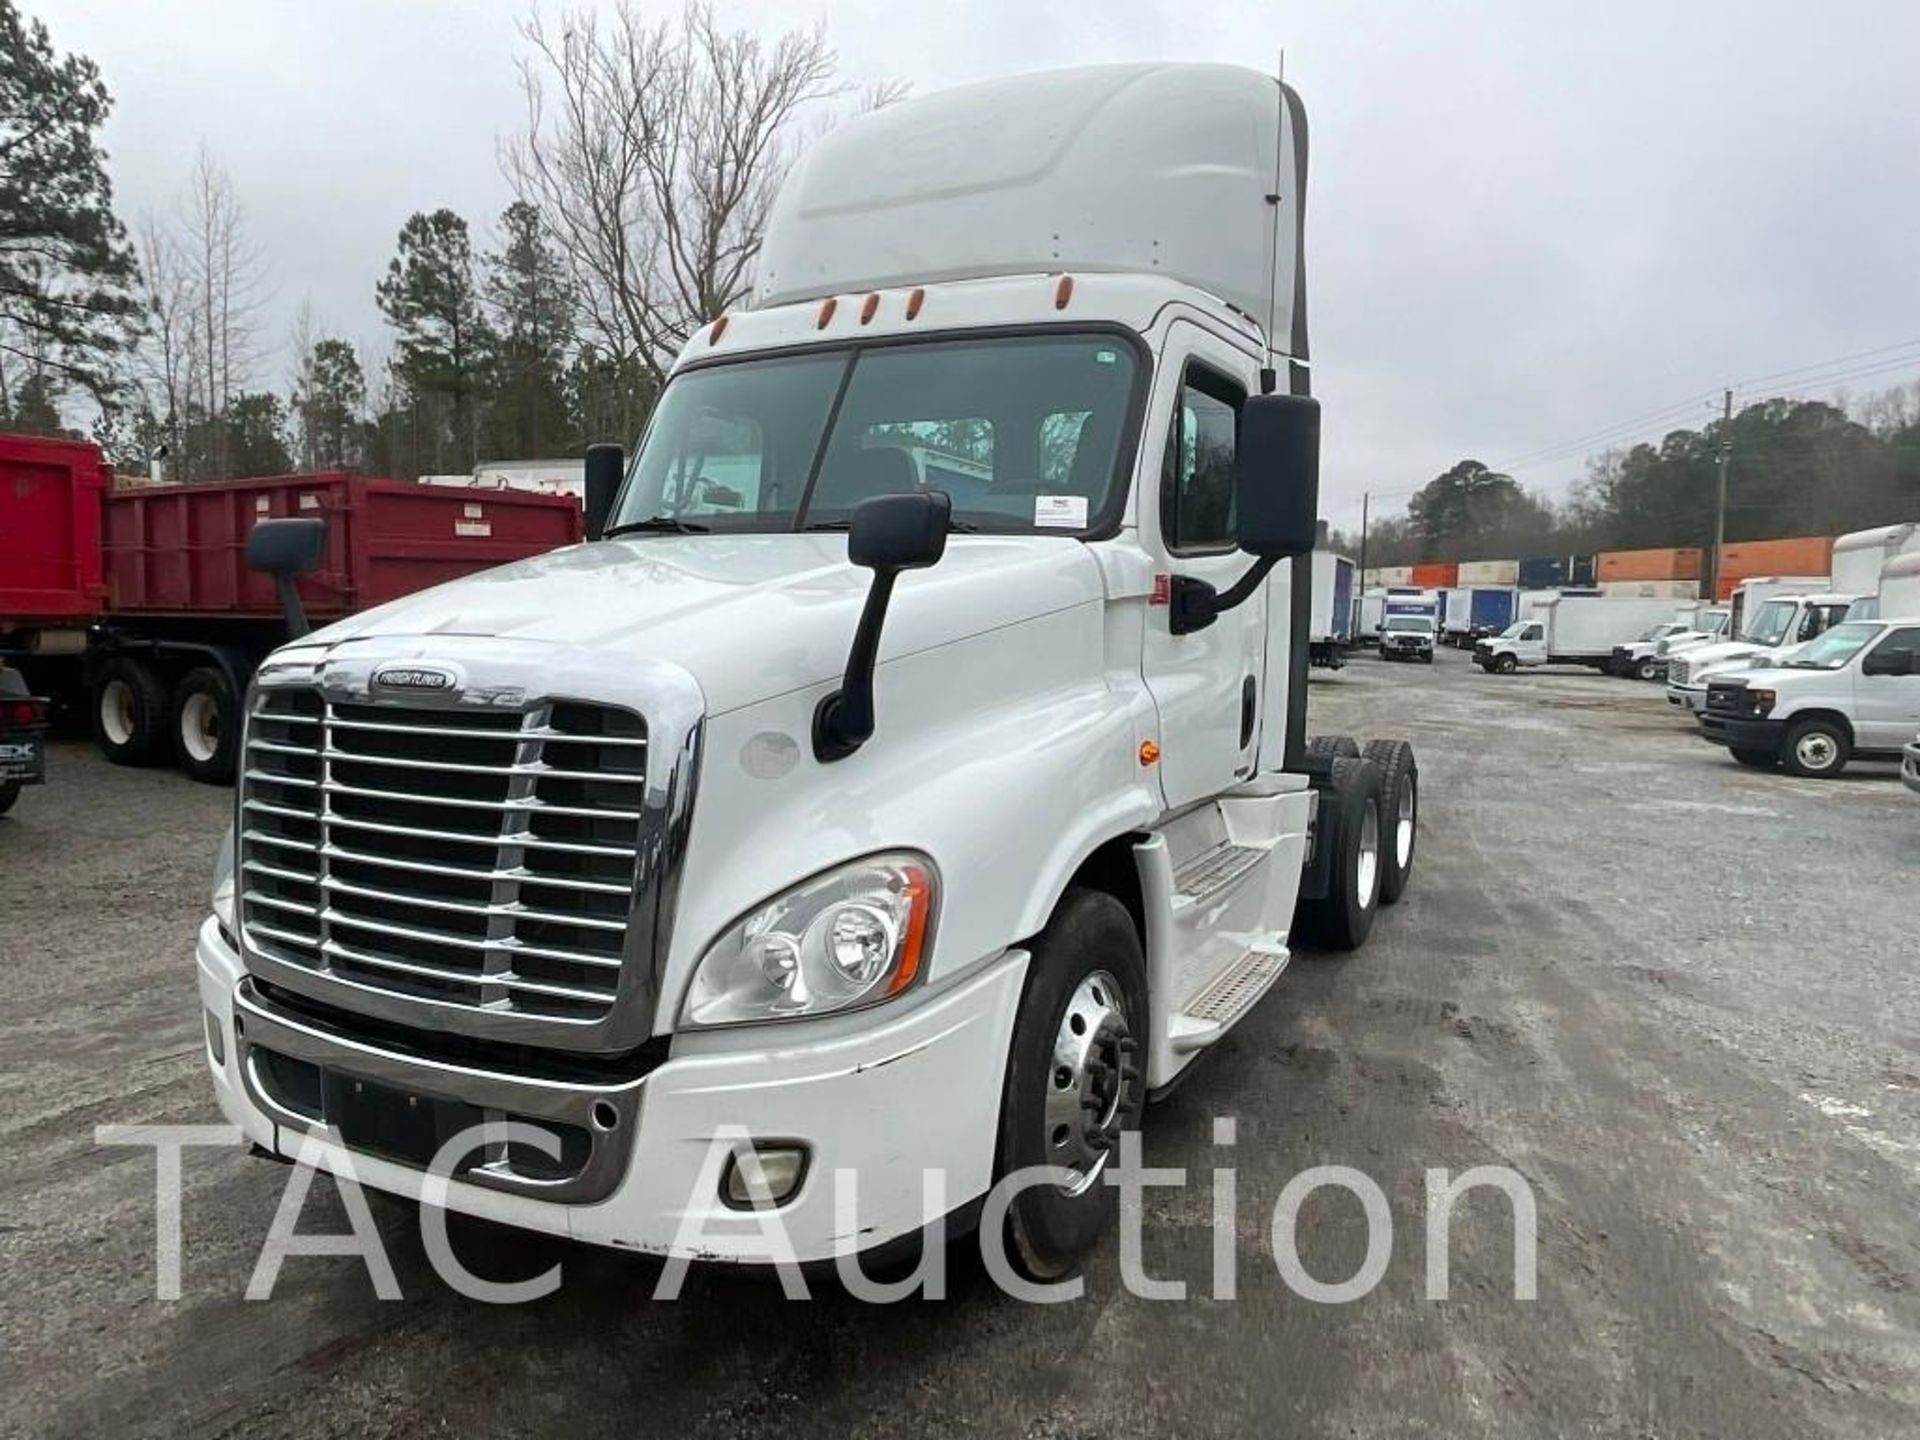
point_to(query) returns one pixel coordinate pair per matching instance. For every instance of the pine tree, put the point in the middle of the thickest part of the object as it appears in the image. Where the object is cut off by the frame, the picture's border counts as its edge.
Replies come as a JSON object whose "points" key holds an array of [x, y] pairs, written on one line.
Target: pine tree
{"points": [[443, 342], [531, 306], [66, 269], [329, 403]]}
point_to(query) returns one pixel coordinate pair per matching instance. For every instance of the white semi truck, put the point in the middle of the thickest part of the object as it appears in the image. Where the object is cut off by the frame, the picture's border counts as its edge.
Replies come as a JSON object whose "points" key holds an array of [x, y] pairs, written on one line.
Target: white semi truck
{"points": [[822, 821]]}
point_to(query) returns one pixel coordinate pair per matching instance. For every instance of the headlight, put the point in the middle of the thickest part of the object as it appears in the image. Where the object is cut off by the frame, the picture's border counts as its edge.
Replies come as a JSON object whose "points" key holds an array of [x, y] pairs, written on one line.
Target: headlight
{"points": [[223, 885], [1762, 700], [854, 936]]}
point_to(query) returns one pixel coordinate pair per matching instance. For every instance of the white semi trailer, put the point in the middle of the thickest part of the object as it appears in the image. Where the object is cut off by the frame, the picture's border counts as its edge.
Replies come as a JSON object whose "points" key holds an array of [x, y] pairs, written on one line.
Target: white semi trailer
{"points": [[824, 820]]}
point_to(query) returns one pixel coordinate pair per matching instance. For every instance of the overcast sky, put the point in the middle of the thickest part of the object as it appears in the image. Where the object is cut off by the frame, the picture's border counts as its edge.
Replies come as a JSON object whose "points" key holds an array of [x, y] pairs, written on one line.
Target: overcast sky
{"points": [[1527, 222]]}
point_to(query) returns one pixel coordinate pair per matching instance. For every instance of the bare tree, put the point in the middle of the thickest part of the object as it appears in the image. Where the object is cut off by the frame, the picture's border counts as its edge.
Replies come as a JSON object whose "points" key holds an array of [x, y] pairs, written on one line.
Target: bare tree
{"points": [[655, 151], [165, 369], [228, 275]]}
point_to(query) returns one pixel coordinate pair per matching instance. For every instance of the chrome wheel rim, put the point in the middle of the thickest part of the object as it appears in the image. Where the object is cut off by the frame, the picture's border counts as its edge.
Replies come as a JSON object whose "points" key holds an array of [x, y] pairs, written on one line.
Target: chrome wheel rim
{"points": [[200, 727], [1088, 1080], [1367, 869], [1816, 751], [116, 711], [1403, 826]]}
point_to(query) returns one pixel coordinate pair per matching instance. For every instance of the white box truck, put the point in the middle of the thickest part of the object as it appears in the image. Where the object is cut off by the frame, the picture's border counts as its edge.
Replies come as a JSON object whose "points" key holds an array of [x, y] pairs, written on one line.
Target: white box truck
{"points": [[1570, 630], [826, 823], [1330, 630]]}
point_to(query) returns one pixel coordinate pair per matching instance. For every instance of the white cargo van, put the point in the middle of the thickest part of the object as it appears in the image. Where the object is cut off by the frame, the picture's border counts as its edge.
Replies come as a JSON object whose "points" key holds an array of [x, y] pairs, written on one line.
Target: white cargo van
{"points": [[828, 822], [1854, 691]]}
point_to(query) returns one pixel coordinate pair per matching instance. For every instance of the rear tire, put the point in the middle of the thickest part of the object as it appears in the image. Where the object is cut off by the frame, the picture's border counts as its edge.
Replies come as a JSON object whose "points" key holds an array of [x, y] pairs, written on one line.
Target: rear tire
{"points": [[1075, 1078], [1755, 759], [1333, 746], [1343, 918], [206, 726], [1399, 814], [1816, 749], [130, 713]]}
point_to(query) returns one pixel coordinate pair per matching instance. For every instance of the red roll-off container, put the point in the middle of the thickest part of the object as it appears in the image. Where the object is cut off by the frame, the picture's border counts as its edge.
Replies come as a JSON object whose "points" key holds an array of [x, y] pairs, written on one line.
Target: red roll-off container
{"points": [[50, 566], [181, 549]]}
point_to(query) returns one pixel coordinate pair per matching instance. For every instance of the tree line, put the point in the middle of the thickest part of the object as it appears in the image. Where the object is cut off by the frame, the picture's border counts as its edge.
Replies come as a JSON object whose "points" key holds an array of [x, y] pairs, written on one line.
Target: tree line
{"points": [[648, 159], [1794, 467]]}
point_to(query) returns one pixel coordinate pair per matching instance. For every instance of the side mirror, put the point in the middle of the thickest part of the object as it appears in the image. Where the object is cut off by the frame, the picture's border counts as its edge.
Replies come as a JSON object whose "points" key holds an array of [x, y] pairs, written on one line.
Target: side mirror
{"points": [[1276, 501], [606, 467], [1276, 476], [887, 534], [285, 549]]}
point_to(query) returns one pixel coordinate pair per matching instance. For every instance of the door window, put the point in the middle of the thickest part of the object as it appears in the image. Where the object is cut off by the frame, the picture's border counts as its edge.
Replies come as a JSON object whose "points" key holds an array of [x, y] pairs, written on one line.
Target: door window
{"points": [[1896, 654], [1196, 484]]}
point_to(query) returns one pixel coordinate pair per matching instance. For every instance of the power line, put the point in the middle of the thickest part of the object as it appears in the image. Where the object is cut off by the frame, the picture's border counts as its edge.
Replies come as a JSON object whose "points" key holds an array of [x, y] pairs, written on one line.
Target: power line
{"points": [[1824, 364]]}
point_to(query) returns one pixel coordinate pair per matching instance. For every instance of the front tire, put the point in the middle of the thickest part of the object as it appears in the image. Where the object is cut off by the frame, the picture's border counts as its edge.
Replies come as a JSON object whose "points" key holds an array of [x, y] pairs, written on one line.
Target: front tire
{"points": [[130, 713], [1648, 671], [1505, 664], [1816, 749], [206, 726], [1075, 1078]]}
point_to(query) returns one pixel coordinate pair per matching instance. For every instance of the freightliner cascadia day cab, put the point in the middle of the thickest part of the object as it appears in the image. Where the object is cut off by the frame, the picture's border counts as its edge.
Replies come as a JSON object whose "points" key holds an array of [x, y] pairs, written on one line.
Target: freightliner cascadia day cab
{"points": [[911, 776]]}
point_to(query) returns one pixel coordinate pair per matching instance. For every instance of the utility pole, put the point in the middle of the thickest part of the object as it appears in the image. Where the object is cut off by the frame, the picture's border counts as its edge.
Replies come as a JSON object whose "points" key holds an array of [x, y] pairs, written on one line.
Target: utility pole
{"points": [[1366, 499], [1720, 499]]}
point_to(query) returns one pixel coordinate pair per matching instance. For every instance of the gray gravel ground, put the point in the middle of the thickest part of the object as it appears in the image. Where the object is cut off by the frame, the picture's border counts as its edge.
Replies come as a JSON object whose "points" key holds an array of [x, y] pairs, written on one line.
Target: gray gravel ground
{"points": [[1678, 996]]}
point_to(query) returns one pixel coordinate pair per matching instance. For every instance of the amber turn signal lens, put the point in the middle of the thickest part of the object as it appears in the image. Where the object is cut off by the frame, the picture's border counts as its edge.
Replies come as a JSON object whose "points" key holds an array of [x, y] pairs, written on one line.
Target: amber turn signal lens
{"points": [[1149, 752]]}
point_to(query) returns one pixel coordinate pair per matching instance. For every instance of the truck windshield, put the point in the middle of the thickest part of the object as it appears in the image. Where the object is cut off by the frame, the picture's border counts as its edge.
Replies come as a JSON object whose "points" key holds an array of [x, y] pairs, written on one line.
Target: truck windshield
{"points": [[1515, 630], [1418, 624], [1833, 649], [1025, 434], [1770, 623]]}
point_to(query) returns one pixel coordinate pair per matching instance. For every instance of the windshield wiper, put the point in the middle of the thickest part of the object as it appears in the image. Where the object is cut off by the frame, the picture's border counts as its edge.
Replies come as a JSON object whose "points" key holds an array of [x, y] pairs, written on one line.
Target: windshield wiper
{"points": [[657, 524], [957, 527]]}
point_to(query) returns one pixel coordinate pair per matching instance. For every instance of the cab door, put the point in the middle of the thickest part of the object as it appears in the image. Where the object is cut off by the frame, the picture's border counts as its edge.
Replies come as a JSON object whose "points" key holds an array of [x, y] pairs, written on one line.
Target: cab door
{"points": [[1207, 685], [1886, 691]]}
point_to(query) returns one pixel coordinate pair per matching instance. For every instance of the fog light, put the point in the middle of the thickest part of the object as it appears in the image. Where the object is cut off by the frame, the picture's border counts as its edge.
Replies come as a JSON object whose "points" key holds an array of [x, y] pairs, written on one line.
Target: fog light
{"points": [[216, 1042], [764, 1176]]}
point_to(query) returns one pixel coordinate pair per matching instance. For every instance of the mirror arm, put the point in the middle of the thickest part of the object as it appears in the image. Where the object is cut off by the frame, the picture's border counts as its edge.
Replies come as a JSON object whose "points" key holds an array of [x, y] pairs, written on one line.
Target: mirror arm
{"points": [[1194, 604], [291, 609], [843, 720]]}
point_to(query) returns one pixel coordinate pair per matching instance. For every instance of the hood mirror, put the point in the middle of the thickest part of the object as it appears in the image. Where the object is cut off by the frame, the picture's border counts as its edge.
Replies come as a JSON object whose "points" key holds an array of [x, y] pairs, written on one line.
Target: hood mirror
{"points": [[887, 534], [285, 549]]}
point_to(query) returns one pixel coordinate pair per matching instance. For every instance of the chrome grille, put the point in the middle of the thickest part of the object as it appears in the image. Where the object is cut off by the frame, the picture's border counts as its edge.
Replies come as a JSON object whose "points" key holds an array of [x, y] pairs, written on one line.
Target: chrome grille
{"points": [[482, 858], [1676, 672]]}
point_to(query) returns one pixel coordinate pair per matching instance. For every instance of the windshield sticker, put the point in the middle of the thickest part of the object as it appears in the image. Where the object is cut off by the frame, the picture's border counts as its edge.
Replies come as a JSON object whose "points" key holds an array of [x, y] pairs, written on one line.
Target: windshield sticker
{"points": [[1060, 512]]}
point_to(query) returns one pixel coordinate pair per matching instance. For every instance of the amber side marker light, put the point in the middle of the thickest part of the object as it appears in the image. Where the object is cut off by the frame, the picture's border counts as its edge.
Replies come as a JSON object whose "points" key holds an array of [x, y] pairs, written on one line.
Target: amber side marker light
{"points": [[719, 329], [1149, 752], [920, 902], [915, 299], [1063, 292], [827, 307], [867, 308]]}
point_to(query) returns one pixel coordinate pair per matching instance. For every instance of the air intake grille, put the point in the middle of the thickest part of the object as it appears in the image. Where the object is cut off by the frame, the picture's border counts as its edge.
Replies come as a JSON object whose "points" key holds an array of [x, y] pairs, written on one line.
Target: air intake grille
{"points": [[475, 858]]}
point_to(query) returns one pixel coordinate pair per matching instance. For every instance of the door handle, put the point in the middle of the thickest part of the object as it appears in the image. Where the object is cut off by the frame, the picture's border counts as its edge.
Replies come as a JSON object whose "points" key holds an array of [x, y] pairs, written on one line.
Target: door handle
{"points": [[1248, 697]]}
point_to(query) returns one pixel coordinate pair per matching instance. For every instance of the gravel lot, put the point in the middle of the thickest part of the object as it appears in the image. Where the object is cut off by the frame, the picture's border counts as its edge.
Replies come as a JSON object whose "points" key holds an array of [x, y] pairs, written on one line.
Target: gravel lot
{"points": [[1678, 996]]}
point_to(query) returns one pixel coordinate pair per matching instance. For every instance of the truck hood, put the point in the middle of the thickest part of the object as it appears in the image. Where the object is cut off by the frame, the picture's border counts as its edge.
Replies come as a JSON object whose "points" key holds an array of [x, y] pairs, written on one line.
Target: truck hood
{"points": [[749, 616]]}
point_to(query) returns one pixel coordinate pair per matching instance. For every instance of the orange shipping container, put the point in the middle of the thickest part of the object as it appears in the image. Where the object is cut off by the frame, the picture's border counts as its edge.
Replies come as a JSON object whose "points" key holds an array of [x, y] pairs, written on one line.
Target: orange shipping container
{"points": [[1648, 565], [1436, 575], [1799, 555]]}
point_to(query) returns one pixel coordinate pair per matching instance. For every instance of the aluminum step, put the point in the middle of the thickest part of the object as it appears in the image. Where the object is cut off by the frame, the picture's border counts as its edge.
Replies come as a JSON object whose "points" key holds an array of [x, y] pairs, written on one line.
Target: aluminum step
{"points": [[1225, 999], [1213, 872]]}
